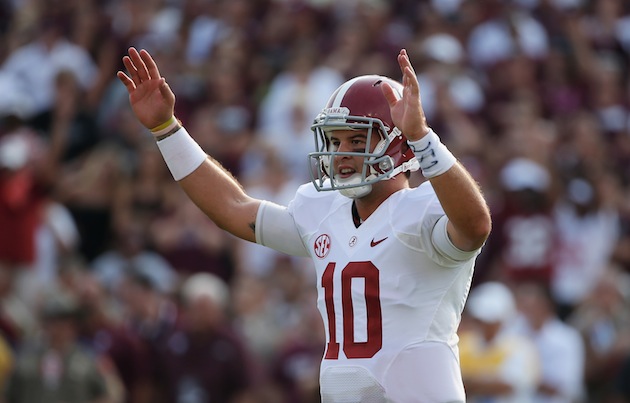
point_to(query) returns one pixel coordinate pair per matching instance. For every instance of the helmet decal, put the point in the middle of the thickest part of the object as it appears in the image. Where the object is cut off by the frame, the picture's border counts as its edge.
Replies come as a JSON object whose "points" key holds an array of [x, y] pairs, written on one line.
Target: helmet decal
{"points": [[321, 246]]}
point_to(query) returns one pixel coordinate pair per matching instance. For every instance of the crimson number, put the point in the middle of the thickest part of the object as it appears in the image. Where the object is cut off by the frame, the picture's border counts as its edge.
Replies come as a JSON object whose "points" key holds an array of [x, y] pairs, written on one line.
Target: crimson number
{"points": [[374, 342]]}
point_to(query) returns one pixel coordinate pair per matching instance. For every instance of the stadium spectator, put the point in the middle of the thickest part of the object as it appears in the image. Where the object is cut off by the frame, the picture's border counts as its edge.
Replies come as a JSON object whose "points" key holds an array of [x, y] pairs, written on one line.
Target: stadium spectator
{"points": [[202, 358], [108, 338], [497, 365], [560, 347], [52, 52], [149, 314], [603, 322], [87, 187], [139, 196], [588, 228], [294, 98], [56, 367], [131, 251], [524, 240], [36, 229], [188, 241]]}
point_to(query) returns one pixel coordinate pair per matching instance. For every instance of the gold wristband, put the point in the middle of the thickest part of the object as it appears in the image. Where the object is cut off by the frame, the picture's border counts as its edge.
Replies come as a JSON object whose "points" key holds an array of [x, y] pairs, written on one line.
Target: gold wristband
{"points": [[166, 129]]}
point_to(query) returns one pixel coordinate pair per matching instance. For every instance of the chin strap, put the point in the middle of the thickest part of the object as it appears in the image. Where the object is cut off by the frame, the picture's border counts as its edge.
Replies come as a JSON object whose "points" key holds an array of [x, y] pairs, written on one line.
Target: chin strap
{"points": [[356, 192], [353, 192], [411, 165]]}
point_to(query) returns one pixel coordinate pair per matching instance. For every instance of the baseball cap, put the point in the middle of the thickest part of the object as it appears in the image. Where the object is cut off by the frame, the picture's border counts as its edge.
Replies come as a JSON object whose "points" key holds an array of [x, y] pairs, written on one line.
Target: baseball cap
{"points": [[444, 48], [206, 285], [491, 302], [523, 173]]}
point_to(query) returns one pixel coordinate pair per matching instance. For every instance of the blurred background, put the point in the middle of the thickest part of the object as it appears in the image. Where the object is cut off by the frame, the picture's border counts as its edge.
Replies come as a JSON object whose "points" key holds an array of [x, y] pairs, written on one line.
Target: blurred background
{"points": [[115, 288]]}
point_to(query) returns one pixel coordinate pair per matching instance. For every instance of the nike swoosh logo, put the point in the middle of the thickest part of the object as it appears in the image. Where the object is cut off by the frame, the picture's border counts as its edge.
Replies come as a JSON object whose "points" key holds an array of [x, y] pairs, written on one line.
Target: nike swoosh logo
{"points": [[373, 243]]}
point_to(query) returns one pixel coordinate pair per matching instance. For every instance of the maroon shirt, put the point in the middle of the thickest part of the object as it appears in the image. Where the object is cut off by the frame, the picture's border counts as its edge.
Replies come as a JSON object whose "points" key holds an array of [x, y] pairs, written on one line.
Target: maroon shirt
{"points": [[213, 367], [21, 203]]}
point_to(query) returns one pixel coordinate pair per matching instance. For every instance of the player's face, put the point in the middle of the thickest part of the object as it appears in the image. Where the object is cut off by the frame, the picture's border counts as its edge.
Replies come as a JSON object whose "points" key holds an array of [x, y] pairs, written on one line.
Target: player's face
{"points": [[345, 166]]}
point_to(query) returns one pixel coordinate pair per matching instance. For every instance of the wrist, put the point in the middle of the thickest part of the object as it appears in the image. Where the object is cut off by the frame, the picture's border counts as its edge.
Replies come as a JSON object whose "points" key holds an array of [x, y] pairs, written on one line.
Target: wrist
{"points": [[417, 137], [433, 156], [421, 132], [181, 153], [166, 129]]}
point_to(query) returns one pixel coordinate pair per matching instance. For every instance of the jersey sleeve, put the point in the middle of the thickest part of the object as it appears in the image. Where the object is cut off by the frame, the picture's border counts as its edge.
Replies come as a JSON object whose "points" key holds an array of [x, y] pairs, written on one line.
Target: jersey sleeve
{"points": [[424, 227], [443, 244], [276, 229]]}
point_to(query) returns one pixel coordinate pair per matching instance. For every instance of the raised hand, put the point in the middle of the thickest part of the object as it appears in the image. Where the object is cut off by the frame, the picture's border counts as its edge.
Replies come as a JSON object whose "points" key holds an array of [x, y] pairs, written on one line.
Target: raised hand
{"points": [[407, 112], [150, 97]]}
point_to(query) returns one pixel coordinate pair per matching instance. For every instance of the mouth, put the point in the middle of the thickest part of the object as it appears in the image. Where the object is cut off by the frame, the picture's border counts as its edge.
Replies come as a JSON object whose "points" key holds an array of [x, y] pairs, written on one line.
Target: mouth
{"points": [[345, 172]]}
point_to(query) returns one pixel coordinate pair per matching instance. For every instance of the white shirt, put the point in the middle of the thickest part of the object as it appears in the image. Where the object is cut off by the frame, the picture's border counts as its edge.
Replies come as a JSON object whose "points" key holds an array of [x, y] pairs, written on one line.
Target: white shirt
{"points": [[587, 245], [561, 351], [390, 300], [34, 68], [285, 115]]}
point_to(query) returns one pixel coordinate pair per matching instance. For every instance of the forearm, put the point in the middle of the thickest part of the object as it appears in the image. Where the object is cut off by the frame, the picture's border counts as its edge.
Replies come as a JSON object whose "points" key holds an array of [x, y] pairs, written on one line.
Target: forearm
{"points": [[217, 193], [465, 207], [214, 190], [469, 218]]}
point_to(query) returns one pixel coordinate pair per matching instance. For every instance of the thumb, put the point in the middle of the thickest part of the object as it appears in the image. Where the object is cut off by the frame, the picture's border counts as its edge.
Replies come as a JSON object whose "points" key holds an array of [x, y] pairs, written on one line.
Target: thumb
{"points": [[166, 91], [389, 94]]}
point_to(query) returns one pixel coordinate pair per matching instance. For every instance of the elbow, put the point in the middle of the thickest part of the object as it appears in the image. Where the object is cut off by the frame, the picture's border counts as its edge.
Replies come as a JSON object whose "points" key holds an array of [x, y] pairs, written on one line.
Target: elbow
{"points": [[480, 231], [476, 233], [471, 234]]}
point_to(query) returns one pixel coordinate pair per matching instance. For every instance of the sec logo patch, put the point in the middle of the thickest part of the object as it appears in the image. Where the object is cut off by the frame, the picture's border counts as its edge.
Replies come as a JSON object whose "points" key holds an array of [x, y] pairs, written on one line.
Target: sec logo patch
{"points": [[322, 246]]}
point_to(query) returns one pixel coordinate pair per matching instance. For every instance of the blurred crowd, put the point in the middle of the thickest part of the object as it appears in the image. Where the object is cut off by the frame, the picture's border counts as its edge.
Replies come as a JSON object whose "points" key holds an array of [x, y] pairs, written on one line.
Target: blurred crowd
{"points": [[115, 288]]}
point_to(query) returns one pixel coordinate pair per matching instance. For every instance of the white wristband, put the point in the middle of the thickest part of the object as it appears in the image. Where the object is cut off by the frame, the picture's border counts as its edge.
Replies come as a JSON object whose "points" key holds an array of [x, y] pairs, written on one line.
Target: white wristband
{"points": [[433, 156], [181, 153]]}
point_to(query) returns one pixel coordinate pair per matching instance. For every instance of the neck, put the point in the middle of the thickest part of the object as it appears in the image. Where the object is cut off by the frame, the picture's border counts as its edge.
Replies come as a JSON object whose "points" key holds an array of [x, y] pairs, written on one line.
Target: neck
{"points": [[364, 207]]}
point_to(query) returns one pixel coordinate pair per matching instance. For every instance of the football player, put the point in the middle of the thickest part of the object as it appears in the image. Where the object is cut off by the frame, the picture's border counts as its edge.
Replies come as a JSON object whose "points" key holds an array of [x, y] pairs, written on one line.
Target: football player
{"points": [[394, 263]]}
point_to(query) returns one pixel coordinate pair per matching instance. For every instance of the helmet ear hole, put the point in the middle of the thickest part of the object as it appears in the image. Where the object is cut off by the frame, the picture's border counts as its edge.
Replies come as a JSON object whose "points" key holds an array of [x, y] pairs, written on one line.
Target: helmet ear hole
{"points": [[386, 164]]}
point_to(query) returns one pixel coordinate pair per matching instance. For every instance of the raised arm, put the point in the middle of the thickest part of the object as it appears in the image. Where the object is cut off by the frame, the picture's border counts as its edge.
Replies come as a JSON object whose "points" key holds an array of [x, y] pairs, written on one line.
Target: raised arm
{"points": [[214, 190], [468, 214]]}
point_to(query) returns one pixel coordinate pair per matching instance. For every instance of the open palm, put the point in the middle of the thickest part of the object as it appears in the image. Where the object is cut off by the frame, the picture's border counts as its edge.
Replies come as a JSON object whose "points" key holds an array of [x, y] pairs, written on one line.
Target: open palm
{"points": [[407, 113], [150, 96]]}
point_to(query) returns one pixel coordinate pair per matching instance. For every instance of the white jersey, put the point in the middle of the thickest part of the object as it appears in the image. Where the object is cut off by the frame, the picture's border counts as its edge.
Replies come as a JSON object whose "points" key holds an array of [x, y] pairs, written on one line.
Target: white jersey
{"points": [[390, 300]]}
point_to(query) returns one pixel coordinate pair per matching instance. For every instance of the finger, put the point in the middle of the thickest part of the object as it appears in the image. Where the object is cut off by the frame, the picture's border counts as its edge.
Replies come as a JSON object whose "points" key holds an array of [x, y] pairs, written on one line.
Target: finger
{"points": [[128, 82], [411, 81], [141, 68], [389, 94], [166, 91], [152, 67], [403, 60], [131, 69]]}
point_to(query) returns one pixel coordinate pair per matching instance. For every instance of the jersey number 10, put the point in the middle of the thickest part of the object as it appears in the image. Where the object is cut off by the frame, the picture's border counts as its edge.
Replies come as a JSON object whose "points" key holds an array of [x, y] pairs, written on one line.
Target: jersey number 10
{"points": [[374, 342]]}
